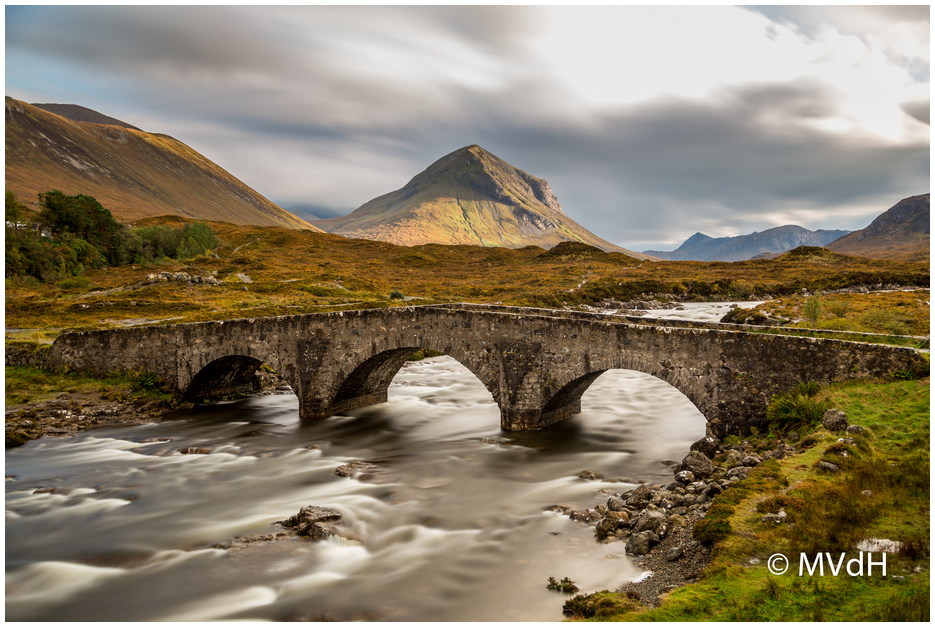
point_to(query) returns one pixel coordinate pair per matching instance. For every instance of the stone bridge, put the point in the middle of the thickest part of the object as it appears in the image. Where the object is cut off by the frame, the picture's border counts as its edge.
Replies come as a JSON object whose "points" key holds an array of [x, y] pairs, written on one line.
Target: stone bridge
{"points": [[536, 363]]}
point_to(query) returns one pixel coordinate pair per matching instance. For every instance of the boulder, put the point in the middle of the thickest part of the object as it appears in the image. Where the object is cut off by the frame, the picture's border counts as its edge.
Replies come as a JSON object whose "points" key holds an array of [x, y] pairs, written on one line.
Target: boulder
{"points": [[638, 544], [674, 554], [827, 467], [685, 476], [699, 464], [834, 420], [775, 518], [650, 520], [616, 506], [782, 451], [607, 527], [854, 430], [733, 458], [707, 446], [713, 490], [741, 472], [696, 488], [751, 460], [586, 516], [312, 521], [590, 475], [639, 497], [358, 469]]}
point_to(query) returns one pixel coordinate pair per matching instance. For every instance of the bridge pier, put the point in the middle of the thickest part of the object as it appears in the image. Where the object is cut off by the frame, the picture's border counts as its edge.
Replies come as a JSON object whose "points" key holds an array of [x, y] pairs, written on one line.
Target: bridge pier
{"points": [[536, 419]]}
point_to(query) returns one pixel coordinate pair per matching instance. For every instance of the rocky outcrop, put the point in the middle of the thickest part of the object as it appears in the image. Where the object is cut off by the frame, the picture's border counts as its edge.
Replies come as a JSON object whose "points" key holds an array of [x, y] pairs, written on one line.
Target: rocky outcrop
{"points": [[182, 277], [834, 420], [313, 522], [657, 522]]}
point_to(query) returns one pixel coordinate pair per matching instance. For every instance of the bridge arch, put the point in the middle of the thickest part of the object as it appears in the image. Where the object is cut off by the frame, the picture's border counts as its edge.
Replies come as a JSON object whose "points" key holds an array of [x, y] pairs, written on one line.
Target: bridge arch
{"points": [[230, 368], [365, 381], [565, 401], [232, 374]]}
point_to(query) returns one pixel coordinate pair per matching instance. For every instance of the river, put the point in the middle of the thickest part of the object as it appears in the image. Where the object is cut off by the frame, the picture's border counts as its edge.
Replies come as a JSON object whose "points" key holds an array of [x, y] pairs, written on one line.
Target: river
{"points": [[453, 525]]}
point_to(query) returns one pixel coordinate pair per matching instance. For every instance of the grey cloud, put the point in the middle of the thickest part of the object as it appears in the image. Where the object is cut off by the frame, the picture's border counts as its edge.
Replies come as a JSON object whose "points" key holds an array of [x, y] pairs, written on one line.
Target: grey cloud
{"points": [[147, 40], [919, 109], [666, 158]]}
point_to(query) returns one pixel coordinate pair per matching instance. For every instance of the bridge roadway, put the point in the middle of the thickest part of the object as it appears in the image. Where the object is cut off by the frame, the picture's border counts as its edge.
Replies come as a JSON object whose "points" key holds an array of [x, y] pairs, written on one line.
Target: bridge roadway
{"points": [[536, 363]]}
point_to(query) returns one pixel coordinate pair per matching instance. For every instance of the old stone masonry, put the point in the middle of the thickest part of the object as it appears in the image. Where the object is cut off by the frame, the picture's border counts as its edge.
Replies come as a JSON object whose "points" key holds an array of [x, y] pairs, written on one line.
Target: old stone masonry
{"points": [[536, 363]]}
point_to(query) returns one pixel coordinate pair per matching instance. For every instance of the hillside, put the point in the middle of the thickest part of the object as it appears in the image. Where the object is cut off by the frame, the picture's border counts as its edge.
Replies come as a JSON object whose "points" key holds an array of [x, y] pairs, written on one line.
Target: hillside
{"points": [[700, 247], [468, 197], [132, 173], [900, 233]]}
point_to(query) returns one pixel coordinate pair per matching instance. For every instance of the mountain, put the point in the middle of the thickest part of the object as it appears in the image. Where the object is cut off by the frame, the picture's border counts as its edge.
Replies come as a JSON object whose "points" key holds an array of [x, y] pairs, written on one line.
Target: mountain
{"points": [[77, 113], [468, 197], [900, 233], [312, 212], [700, 247], [132, 173]]}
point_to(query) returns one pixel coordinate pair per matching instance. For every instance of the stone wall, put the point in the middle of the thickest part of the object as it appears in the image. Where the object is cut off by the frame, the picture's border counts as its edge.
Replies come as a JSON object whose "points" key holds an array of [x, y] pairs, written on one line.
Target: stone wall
{"points": [[26, 354]]}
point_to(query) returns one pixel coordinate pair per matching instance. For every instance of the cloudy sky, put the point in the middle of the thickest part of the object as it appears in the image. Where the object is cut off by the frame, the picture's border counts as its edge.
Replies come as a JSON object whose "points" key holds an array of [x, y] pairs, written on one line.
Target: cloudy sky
{"points": [[650, 123]]}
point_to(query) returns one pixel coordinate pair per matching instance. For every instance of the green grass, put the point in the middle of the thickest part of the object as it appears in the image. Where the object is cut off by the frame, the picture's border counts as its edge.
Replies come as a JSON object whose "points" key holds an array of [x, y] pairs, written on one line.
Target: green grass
{"points": [[827, 513], [29, 385]]}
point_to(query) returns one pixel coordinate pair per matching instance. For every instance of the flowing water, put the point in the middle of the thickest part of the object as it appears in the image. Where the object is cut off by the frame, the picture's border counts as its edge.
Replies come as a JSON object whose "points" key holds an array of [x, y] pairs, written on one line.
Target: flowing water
{"points": [[453, 525]]}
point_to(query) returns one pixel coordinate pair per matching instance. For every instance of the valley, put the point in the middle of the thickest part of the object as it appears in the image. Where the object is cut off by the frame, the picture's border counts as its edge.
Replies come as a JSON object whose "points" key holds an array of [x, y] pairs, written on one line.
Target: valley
{"points": [[426, 477]]}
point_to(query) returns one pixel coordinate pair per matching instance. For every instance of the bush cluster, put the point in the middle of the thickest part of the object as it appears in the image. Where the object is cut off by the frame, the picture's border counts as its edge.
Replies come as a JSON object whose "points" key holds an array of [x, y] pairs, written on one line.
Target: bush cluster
{"points": [[85, 235], [796, 409]]}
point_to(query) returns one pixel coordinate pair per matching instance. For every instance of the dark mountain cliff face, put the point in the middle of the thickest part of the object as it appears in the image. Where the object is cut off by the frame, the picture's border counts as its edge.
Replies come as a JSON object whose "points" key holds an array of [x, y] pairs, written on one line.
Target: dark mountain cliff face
{"points": [[469, 196], [910, 214], [901, 233], [700, 247]]}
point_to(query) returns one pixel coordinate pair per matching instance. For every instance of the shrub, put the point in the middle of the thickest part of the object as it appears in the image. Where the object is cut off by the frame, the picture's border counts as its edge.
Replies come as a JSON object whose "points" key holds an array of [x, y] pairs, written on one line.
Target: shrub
{"points": [[603, 604], [884, 321], [396, 295], [796, 409], [839, 308], [73, 283], [711, 531], [812, 309]]}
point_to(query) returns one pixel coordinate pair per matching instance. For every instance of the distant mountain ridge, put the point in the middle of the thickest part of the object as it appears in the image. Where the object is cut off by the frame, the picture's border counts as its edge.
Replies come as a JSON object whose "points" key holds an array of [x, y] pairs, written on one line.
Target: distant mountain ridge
{"points": [[77, 113], [469, 196], [901, 233], [701, 247], [132, 173]]}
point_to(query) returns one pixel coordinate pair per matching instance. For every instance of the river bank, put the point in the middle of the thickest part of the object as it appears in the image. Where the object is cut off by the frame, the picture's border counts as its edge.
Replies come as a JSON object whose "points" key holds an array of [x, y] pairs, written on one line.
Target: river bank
{"points": [[842, 490]]}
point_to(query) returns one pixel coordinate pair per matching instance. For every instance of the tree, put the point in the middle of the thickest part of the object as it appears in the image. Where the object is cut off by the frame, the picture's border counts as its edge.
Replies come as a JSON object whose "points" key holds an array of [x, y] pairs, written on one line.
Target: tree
{"points": [[812, 309], [14, 210]]}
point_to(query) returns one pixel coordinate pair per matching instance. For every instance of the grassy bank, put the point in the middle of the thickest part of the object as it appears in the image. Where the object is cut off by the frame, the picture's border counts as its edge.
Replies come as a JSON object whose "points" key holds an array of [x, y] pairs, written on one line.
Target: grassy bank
{"points": [[880, 490], [25, 386]]}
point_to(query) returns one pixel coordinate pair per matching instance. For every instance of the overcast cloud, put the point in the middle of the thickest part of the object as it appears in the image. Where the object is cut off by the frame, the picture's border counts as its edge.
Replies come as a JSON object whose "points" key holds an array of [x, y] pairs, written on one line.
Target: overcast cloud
{"points": [[650, 123]]}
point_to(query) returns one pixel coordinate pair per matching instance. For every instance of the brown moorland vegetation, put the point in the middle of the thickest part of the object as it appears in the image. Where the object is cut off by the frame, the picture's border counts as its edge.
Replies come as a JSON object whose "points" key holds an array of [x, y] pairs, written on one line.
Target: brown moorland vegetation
{"points": [[268, 271]]}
